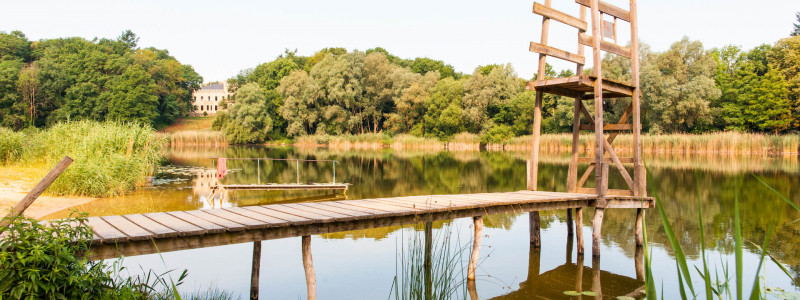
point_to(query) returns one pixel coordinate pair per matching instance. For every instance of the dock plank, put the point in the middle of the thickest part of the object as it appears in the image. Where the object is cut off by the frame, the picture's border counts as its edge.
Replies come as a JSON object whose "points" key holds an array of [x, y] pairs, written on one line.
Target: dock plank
{"points": [[336, 209], [300, 213], [225, 223], [106, 232], [182, 227], [133, 231], [250, 223], [317, 210], [257, 216], [343, 204], [292, 219], [202, 223], [158, 230]]}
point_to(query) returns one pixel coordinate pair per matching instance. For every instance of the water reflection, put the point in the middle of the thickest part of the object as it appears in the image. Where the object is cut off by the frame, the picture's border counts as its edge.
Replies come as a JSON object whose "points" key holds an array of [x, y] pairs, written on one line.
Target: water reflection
{"points": [[388, 173]]}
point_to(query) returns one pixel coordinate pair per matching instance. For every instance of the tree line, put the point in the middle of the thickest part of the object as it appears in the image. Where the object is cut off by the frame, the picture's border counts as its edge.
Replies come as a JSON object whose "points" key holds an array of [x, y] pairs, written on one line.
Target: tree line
{"points": [[48, 81], [685, 89]]}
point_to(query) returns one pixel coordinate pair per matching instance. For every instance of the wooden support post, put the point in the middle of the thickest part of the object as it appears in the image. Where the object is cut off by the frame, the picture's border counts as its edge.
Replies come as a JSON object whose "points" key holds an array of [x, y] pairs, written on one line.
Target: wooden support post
{"points": [[572, 175], [639, 227], [37, 190], [598, 98], [569, 223], [570, 243], [537, 112], [639, 262], [535, 231], [579, 276], [476, 247], [579, 229], [472, 290], [534, 264], [308, 265], [255, 270], [597, 225], [597, 285], [427, 264], [639, 173]]}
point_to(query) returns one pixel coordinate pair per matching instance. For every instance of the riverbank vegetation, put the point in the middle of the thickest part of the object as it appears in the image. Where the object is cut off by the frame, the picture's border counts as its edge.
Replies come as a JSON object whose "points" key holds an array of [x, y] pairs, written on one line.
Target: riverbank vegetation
{"points": [[109, 158], [686, 89], [49, 81]]}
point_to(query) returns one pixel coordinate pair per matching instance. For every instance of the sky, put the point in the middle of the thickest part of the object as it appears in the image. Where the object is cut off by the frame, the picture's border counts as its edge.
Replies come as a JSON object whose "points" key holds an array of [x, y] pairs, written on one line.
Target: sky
{"points": [[220, 38]]}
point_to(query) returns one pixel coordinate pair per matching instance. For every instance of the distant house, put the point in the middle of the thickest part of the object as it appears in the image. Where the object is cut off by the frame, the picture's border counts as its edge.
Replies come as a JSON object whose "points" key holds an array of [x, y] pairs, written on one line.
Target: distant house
{"points": [[208, 99]]}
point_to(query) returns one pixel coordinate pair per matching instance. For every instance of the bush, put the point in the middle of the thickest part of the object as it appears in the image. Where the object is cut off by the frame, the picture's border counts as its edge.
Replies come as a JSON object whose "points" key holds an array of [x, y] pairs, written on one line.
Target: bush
{"points": [[498, 134], [43, 262]]}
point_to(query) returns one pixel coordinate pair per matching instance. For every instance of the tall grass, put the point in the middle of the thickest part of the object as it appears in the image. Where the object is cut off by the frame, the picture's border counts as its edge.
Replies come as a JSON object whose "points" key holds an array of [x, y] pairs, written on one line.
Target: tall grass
{"points": [[718, 142], [10, 145], [194, 138], [713, 287], [109, 158], [442, 275]]}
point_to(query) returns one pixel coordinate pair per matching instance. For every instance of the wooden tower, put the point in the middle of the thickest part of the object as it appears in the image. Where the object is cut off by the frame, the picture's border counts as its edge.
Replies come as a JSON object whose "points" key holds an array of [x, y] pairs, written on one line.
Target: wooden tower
{"points": [[582, 87]]}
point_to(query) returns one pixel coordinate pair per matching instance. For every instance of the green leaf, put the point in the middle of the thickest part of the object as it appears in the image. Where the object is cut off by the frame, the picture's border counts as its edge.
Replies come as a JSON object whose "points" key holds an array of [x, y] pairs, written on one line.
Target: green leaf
{"points": [[572, 293], [589, 293]]}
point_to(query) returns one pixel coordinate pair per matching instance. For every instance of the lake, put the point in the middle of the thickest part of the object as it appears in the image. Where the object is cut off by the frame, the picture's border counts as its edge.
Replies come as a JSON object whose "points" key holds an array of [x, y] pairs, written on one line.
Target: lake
{"points": [[367, 264]]}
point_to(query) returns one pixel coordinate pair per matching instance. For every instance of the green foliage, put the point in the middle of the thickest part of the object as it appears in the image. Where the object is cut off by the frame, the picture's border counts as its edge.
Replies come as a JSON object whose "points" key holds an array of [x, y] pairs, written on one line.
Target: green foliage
{"points": [[443, 116], [796, 30], [423, 65], [73, 78], [249, 120], [678, 86], [497, 134], [11, 146]]}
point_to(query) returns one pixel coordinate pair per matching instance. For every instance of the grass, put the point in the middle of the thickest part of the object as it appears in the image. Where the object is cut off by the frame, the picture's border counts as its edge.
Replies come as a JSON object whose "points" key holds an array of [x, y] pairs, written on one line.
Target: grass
{"points": [[109, 158], [714, 288]]}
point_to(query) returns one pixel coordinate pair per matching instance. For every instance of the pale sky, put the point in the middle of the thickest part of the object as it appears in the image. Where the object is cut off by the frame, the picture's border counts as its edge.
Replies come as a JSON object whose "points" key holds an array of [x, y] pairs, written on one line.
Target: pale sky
{"points": [[219, 38]]}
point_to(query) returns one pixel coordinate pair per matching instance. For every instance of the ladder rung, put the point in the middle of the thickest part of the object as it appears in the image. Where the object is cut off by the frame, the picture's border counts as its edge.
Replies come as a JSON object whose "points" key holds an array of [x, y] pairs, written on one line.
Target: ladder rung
{"points": [[558, 53], [548, 12], [607, 46], [608, 9], [608, 127]]}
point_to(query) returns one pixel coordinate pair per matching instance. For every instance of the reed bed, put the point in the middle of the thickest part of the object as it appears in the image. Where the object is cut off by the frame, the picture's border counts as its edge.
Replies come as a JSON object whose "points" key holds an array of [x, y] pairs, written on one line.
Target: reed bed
{"points": [[718, 143], [109, 158], [194, 138]]}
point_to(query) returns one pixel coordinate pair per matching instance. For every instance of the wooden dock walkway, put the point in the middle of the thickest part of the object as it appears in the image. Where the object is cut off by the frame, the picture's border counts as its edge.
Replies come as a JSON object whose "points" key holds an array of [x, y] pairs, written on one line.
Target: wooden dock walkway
{"points": [[282, 186], [137, 234]]}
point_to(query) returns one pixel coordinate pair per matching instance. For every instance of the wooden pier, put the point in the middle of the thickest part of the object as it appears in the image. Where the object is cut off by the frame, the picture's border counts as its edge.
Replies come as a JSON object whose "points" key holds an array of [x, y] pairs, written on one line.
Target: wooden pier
{"points": [[138, 234], [282, 187]]}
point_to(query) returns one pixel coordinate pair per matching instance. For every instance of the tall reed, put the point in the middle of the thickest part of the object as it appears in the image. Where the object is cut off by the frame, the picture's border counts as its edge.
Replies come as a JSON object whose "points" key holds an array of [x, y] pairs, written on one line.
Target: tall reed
{"points": [[194, 138], [109, 158], [713, 288]]}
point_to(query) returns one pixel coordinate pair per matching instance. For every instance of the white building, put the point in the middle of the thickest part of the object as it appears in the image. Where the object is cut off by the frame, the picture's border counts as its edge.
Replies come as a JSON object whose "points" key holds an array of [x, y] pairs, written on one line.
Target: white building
{"points": [[208, 99]]}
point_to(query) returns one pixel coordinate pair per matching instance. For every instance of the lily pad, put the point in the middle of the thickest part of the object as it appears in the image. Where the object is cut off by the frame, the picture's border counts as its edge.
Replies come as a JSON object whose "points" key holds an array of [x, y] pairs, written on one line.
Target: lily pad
{"points": [[625, 298], [572, 293], [588, 293]]}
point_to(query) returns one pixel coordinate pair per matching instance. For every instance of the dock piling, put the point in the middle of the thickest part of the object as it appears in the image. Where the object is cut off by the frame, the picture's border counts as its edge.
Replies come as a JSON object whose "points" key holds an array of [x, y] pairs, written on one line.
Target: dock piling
{"points": [[535, 224], [256, 268], [308, 265], [476, 247]]}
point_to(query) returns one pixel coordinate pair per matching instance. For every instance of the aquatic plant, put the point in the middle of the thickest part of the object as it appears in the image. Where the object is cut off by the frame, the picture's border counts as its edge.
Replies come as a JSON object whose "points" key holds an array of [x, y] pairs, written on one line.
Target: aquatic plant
{"points": [[431, 266], [715, 286]]}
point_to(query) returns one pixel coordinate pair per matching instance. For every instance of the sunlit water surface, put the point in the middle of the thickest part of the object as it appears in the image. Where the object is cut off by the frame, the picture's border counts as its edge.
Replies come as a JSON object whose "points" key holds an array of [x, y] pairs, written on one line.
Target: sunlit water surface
{"points": [[364, 264]]}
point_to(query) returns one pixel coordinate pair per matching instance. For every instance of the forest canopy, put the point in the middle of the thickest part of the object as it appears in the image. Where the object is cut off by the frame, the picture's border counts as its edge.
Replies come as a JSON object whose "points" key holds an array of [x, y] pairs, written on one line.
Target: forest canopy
{"points": [[48, 81]]}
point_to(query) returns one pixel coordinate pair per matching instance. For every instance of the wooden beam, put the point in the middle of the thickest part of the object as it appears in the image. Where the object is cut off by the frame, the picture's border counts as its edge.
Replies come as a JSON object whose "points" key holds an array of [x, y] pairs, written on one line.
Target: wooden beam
{"points": [[608, 9], [597, 225], [548, 12], [601, 180], [579, 230], [533, 174], [607, 46], [608, 127], [255, 270], [610, 192], [37, 190], [639, 172], [591, 160], [308, 266], [560, 91], [535, 229], [557, 53]]}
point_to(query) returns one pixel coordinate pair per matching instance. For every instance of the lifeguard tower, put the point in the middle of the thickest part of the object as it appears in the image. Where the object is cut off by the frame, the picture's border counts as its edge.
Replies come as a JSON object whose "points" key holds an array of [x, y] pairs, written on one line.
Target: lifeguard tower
{"points": [[605, 19]]}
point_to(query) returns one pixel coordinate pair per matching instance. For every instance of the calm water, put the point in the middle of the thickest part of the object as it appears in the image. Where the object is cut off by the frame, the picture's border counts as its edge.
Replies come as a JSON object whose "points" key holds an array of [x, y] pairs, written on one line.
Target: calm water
{"points": [[363, 264]]}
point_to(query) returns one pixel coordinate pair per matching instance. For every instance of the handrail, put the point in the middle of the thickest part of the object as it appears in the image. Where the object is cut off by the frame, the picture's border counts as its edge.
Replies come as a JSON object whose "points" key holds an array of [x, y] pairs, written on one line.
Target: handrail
{"points": [[283, 159]]}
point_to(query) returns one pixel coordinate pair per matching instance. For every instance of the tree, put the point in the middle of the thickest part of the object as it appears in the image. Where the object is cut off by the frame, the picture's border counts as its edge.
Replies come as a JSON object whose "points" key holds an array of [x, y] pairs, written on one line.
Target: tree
{"points": [[410, 90], [796, 31], [128, 38], [785, 57], [249, 120], [132, 96], [295, 89], [377, 82], [423, 65], [12, 110], [443, 116], [484, 94], [28, 85], [678, 87]]}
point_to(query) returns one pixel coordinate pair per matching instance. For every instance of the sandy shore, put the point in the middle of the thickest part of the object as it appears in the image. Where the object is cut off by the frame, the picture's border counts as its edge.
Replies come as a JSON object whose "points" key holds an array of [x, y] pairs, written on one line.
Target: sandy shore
{"points": [[44, 205]]}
